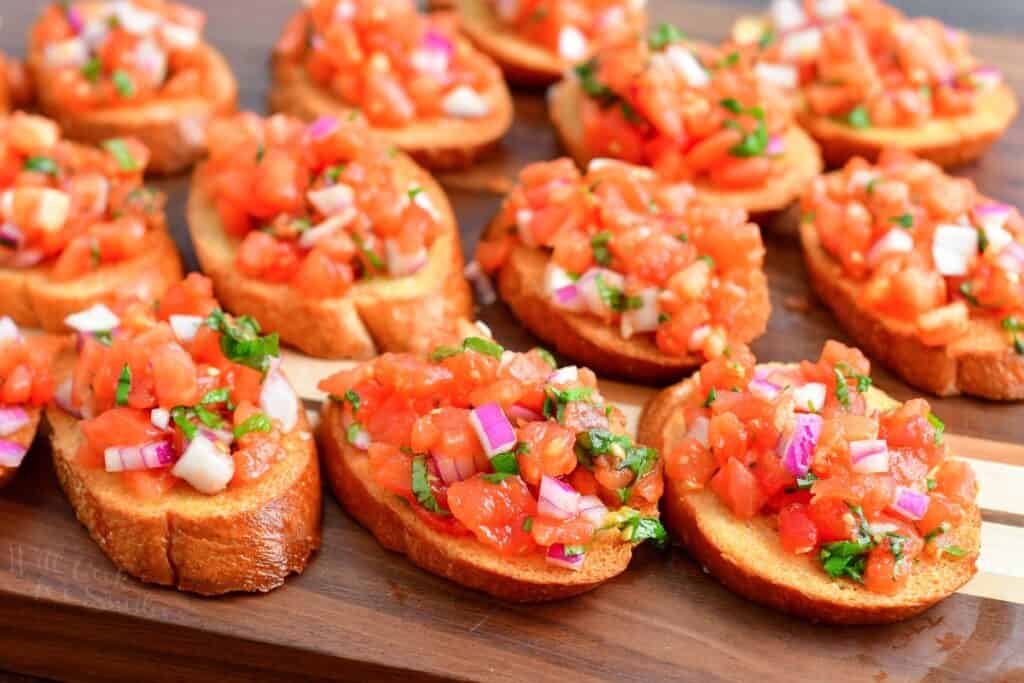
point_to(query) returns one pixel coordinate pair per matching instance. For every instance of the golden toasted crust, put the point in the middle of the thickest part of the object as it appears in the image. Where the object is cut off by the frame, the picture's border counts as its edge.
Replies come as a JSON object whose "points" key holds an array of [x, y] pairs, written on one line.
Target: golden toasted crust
{"points": [[748, 557], [174, 130], [22, 437], [245, 539], [981, 363], [948, 141], [439, 143], [32, 299], [461, 559], [522, 62], [595, 344], [393, 314], [799, 164]]}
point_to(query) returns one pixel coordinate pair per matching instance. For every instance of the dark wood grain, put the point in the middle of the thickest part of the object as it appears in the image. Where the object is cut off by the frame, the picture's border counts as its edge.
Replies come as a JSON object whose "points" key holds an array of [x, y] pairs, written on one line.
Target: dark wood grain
{"points": [[360, 613]]}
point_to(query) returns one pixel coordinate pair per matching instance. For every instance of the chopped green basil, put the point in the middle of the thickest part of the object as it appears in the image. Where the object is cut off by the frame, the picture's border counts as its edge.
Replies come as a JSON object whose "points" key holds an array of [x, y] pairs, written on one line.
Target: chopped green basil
{"points": [[123, 83], [241, 341], [124, 386], [663, 35], [41, 164], [859, 118], [599, 245], [484, 346], [546, 355], [712, 396], [505, 463], [92, 69], [216, 396], [257, 422], [421, 486], [938, 425], [845, 558], [905, 221], [119, 150], [353, 398], [369, 254]]}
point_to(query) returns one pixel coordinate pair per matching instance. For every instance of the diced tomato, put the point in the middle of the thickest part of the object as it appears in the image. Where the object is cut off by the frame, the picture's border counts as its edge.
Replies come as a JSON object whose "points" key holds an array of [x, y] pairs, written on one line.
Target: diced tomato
{"points": [[956, 480], [116, 427], [690, 464], [832, 518], [495, 512], [549, 451], [736, 485], [797, 530], [883, 573], [391, 468], [149, 485], [548, 532]]}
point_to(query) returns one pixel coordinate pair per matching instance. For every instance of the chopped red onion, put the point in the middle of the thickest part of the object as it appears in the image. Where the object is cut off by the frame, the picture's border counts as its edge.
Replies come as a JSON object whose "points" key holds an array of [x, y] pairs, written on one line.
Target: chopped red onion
{"points": [[203, 465], [11, 454], [787, 15], [556, 556], [764, 390], [11, 236], [74, 18], [699, 335], [482, 287], [699, 430], [684, 63], [492, 428], [62, 397], [12, 419], [954, 248], [869, 456], [434, 56], [465, 103], [910, 503], [797, 449], [332, 199], [802, 44], [986, 77], [224, 436], [1011, 258], [180, 37], [587, 285], [562, 289], [401, 264], [185, 326], [558, 499], [572, 44], [153, 455], [151, 60], [569, 298], [322, 127], [309, 238], [644, 318], [72, 52], [565, 375], [278, 400], [160, 418], [25, 258], [992, 213], [96, 318], [830, 9], [776, 146], [896, 241], [810, 397], [593, 510]]}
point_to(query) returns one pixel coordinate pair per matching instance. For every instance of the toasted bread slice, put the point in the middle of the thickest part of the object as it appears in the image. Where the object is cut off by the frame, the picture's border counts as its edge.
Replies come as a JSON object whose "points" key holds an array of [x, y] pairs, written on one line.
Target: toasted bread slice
{"points": [[800, 163], [981, 363], [23, 437], [245, 539], [948, 141], [591, 342], [174, 130], [461, 559], [439, 143], [33, 299], [522, 62], [391, 314], [747, 555]]}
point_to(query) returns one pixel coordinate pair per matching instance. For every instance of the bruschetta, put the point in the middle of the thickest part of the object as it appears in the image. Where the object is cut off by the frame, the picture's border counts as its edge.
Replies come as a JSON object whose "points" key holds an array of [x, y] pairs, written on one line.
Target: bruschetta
{"points": [[491, 468], [182, 447], [692, 112], [132, 68], [628, 274], [77, 226], [804, 488], [868, 78], [26, 386], [418, 83], [534, 42], [923, 272], [332, 238]]}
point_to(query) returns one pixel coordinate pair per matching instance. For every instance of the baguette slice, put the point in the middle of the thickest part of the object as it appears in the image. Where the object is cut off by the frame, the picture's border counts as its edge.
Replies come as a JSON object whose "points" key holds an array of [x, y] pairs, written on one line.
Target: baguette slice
{"points": [[948, 141], [748, 557], [800, 163], [32, 299], [440, 143], [591, 342], [981, 363], [522, 62], [23, 437], [463, 560], [245, 539], [375, 314], [174, 130]]}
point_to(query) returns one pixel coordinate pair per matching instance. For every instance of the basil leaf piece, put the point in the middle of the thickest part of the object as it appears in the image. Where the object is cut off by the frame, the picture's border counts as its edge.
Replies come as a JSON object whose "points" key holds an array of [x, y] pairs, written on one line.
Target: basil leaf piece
{"points": [[257, 422], [119, 150], [241, 341], [124, 386], [421, 486]]}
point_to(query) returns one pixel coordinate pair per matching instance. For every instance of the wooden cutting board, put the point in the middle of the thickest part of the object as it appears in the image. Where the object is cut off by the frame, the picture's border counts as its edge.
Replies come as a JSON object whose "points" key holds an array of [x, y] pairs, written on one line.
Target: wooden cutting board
{"points": [[361, 613]]}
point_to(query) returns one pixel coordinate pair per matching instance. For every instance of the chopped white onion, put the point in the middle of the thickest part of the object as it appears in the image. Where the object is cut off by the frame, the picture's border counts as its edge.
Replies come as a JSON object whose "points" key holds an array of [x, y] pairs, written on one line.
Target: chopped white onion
{"points": [[8, 330], [185, 326], [699, 430], [810, 397], [401, 264], [12, 419], [896, 241], [309, 238], [11, 453], [332, 199], [780, 75], [465, 103], [593, 510], [148, 456], [179, 37], [954, 248], [205, 466], [802, 44], [278, 400], [135, 19], [830, 9], [151, 60], [72, 52], [96, 318], [699, 335], [564, 376], [160, 418], [687, 66], [482, 286], [763, 389], [588, 288], [558, 499], [572, 44], [996, 237], [52, 209], [787, 15], [869, 456], [644, 318]]}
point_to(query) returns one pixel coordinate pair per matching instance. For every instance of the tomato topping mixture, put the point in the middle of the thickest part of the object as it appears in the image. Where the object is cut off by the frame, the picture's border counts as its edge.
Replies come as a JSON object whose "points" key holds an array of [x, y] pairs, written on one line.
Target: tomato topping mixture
{"points": [[928, 248], [26, 365], [644, 255], [864, 63], [317, 206], [396, 65], [865, 491], [180, 392], [690, 111], [571, 28], [118, 54], [502, 446], [76, 206]]}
